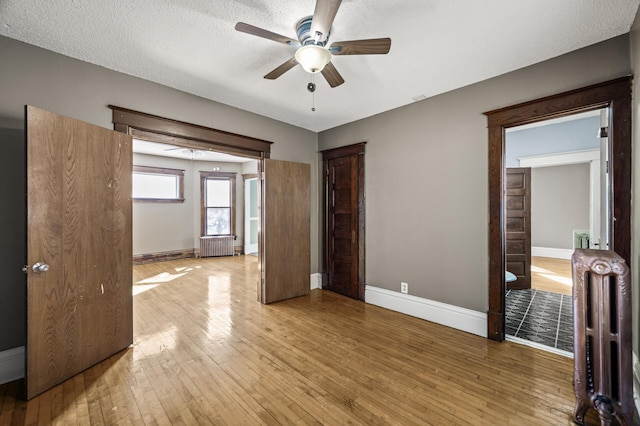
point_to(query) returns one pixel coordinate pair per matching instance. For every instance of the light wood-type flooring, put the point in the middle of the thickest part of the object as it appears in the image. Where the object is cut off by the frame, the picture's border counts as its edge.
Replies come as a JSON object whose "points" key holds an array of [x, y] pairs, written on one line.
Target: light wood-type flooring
{"points": [[206, 352], [554, 275]]}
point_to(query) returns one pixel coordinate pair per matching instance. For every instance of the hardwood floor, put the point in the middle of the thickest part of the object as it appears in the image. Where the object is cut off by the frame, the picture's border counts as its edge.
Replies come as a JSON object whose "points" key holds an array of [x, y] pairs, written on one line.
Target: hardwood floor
{"points": [[206, 352], [554, 275]]}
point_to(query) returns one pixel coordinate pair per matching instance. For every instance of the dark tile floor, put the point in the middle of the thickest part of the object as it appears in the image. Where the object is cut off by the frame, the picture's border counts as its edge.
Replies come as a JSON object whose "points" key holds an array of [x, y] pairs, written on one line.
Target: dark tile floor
{"points": [[540, 316]]}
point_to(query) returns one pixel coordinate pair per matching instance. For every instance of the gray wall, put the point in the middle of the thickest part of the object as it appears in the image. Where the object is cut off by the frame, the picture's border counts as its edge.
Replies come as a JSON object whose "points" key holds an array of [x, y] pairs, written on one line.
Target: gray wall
{"points": [[30, 75], [559, 204], [12, 238], [426, 175]]}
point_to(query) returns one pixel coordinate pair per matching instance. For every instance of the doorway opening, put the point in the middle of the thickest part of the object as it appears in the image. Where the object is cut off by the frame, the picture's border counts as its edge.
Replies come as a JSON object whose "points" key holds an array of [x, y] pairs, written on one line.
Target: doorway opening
{"points": [[207, 220], [557, 200], [283, 215], [614, 95], [199, 213]]}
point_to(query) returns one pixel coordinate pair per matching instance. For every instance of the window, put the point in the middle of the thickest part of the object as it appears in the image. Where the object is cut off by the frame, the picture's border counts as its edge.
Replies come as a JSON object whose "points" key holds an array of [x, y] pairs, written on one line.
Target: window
{"points": [[159, 185], [217, 192]]}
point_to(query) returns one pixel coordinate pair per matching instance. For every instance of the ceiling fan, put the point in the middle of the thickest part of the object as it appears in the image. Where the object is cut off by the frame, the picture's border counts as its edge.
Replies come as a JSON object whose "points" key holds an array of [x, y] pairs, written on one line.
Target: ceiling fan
{"points": [[314, 52]]}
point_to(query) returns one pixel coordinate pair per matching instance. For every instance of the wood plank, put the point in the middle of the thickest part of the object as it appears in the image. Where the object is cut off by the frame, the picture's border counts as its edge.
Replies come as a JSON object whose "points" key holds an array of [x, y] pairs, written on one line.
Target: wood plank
{"points": [[554, 275], [206, 352]]}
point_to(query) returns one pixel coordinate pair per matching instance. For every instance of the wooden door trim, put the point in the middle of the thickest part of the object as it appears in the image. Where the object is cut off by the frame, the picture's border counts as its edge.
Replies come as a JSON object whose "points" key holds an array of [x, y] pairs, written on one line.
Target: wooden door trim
{"points": [[165, 130], [330, 154], [614, 94]]}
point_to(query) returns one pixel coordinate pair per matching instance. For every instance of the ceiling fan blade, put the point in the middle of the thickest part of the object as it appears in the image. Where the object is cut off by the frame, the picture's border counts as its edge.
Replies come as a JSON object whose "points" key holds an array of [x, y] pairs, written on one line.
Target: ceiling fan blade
{"points": [[250, 29], [372, 46], [281, 69], [331, 74], [323, 17]]}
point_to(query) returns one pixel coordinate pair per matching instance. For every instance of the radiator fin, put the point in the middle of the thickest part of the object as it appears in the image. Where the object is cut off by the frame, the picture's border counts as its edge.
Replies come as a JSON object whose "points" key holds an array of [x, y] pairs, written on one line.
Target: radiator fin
{"points": [[602, 336], [216, 246]]}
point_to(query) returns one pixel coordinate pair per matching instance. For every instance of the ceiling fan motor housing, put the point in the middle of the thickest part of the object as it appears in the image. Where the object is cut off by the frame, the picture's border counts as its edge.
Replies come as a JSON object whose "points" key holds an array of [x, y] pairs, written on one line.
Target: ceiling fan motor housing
{"points": [[303, 29]]}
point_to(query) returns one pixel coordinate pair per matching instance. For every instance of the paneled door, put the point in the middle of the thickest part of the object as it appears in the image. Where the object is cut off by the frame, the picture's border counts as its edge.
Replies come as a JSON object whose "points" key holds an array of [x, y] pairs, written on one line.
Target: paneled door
{"points": [[344, 189], [285, 258], [79, 252], [518, 226]]}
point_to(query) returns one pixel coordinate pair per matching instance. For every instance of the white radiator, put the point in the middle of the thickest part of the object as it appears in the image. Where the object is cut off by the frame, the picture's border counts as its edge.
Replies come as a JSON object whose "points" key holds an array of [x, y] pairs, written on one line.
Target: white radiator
{"points": [[216, 246], [581, 239]]}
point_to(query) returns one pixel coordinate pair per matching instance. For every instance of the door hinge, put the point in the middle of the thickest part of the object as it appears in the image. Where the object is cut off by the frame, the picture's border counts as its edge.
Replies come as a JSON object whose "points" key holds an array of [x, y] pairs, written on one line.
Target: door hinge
{"points": [[603, 132], [606, 166], [25, 269]]}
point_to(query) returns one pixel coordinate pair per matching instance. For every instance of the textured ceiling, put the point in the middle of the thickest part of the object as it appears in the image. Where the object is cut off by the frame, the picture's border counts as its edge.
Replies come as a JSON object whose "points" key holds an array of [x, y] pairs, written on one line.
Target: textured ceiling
{"points": [[437, 46]]}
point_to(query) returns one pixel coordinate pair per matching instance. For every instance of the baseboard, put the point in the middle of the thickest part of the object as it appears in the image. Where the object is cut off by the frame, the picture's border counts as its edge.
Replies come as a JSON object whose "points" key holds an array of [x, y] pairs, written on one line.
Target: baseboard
{"points": [[11, 364], [636, 382], [556, 253], [140, 259], [316, 281], [441, 313]]}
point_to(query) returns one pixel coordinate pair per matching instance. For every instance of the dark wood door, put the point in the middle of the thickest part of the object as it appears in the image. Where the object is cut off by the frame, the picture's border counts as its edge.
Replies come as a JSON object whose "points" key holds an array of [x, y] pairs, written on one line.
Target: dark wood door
{"points": [[344, 168], [518, 226], [79, 252], [285, 257]]}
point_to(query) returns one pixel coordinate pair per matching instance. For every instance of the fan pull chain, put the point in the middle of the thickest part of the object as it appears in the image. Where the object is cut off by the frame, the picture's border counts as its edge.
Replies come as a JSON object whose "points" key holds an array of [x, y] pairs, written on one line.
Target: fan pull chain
{"points": [[311, 87]]}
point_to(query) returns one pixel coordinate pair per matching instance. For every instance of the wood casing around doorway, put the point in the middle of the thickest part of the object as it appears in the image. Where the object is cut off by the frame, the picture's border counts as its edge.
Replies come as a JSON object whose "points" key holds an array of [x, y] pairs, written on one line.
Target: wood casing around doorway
{"points": [[615, 95]]}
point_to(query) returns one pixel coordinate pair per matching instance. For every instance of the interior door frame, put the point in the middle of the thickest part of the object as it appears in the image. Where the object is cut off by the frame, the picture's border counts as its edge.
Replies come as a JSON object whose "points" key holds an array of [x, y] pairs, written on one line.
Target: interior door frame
{"points": [[154, 128], [329, 154], [613, 94], [246, 229]]}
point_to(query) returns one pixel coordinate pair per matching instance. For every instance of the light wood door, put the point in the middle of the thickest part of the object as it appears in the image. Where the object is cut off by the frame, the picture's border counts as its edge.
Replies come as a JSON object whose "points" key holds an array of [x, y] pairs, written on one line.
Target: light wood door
{"points": [[285, 260], [79, 311], [518, 226]]}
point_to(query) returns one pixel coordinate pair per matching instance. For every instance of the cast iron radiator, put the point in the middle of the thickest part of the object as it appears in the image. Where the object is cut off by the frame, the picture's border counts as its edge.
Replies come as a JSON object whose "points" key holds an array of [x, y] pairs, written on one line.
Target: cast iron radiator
{"points": [[216, 246], [602, 336]]}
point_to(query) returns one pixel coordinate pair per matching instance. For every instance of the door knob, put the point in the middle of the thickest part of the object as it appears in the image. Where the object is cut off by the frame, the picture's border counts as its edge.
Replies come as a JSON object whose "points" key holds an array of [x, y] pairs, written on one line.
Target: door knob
{"points": [[40, 267]]}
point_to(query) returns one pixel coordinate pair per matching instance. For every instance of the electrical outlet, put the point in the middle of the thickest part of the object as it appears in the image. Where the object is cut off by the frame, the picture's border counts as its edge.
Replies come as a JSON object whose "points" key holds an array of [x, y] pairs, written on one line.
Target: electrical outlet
{"points": [[404, 287]]}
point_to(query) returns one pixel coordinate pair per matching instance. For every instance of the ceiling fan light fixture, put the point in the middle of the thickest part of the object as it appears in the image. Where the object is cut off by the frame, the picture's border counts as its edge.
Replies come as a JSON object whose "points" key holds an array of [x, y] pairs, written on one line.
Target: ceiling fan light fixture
{"points": [[313, 58]]}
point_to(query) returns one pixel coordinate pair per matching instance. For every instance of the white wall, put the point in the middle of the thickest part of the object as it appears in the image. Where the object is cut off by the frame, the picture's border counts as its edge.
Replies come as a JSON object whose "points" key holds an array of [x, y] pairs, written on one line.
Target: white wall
{"points": [[426, 175], [160, 227]]}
